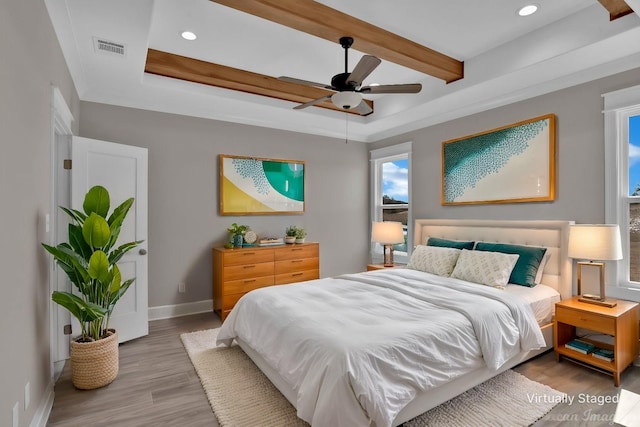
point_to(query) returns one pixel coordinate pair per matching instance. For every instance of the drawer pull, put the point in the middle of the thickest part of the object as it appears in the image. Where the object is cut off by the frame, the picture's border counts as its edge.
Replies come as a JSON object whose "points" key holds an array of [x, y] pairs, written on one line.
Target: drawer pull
{"points": [[296, 249], [296, 260], [249, 280], [249, 266], [248, 253], [297, 274]]}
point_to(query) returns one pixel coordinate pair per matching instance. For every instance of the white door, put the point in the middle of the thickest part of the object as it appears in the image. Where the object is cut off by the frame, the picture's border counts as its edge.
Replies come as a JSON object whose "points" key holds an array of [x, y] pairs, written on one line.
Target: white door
{"points": [[122, 170]]}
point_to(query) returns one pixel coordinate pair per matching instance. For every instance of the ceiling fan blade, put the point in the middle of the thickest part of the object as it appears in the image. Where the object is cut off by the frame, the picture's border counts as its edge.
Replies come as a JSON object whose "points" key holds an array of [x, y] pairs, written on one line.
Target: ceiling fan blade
{"points": [[363, 108], [363, 68], [313, 102], [304, 82], [405, 88]]}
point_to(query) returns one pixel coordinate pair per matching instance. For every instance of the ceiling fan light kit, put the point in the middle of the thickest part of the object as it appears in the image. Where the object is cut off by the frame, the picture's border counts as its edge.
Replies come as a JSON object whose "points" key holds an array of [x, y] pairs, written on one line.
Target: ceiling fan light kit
{"points": [[348, 85], [346, 100]]}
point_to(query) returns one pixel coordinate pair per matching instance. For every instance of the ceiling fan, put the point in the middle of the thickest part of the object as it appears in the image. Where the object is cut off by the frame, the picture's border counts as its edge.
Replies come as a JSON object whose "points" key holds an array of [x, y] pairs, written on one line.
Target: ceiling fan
{"points": [[348, 85]]}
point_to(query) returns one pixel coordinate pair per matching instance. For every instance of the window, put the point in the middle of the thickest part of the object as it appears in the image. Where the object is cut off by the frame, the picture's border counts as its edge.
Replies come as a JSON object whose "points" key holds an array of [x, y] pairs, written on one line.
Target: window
{"points": [[391, 189], [622, 184]]}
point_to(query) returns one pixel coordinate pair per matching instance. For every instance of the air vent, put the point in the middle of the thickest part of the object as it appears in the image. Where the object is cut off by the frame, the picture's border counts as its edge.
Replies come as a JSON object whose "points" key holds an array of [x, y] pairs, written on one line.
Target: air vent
{"points": [[106, 46]]}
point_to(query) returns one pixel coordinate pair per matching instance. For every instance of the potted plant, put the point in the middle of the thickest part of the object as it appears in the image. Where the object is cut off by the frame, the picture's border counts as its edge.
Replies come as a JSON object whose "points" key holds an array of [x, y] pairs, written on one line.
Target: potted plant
{"points": [[300, 235], [290, 234], [90, 261], [236, 233]]}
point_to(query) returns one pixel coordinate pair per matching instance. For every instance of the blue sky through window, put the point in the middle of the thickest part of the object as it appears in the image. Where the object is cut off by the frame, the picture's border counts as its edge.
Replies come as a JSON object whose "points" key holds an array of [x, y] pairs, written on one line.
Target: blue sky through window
{"points": [[395, 179], [634, 153]]}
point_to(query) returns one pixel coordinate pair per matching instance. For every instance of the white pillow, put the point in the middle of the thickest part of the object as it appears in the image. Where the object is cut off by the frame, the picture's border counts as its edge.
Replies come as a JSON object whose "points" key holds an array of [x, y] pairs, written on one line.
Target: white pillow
{"points": [[486, 268], [540, 271], [434, 259]]}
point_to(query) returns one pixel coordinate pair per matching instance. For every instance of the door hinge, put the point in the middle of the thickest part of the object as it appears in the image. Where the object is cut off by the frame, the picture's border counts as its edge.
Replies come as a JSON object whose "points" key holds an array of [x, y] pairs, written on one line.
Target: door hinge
{"points": [[66, 164], [67, 329]]}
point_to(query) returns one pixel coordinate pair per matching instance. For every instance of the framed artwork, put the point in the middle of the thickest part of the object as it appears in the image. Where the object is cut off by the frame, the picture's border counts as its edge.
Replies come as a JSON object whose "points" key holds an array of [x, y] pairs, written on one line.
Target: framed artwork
{"points": [[511, 164], [258, 186]]}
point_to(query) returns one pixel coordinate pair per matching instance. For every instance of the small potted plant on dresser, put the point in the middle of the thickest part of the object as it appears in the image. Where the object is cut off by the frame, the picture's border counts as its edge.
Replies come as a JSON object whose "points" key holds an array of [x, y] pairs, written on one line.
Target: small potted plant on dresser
{"points": [[290, 234], [90, 261], [236, 234], [300, 235]]}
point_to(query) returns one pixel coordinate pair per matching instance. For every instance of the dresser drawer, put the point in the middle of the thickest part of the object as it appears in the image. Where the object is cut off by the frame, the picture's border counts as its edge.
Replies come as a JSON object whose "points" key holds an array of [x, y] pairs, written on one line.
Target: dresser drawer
{"points": [[248, 257], [295, 252], [247, 271], [228, 301], [246, 285], [582, 319], [300, 276], [294, 265]]}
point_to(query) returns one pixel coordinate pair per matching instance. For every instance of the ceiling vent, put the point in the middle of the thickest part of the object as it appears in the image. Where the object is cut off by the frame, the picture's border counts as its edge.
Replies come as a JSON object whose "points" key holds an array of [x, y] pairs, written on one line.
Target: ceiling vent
{"points": [[105, 46]]}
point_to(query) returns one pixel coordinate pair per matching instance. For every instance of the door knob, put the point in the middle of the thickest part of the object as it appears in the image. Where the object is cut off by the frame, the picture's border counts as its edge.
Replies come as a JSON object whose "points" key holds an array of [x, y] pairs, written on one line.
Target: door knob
{"points": [[142, 251]]}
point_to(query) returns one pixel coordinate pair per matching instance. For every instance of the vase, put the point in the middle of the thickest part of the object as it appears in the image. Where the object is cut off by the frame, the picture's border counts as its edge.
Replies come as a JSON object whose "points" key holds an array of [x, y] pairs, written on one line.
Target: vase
{"points": [[237, 241], [94, 364], [300, 240], [289, 239]]}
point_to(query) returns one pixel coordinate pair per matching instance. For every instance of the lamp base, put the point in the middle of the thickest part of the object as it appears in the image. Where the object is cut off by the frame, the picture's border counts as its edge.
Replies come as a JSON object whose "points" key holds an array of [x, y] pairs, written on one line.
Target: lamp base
{"points": [[388, 255], [600, 301]]}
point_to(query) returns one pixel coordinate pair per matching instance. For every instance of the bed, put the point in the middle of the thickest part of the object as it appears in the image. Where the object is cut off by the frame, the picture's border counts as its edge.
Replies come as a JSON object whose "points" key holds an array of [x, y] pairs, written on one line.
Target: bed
{"points": [[337, 348]]}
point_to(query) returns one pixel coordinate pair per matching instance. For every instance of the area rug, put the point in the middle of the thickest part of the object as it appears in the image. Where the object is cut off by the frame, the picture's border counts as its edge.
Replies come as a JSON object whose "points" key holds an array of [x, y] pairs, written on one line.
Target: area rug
{"points": [[240, 395]]}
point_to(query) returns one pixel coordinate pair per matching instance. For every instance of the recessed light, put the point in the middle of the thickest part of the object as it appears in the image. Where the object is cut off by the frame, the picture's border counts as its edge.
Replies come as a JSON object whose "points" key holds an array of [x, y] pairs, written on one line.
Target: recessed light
{"points": [[188, 35], [527, 10]]}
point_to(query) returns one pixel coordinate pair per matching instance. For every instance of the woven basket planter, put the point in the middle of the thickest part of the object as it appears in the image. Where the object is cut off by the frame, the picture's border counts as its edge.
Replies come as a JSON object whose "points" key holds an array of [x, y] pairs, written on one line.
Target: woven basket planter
{"points": [[94, 364]]}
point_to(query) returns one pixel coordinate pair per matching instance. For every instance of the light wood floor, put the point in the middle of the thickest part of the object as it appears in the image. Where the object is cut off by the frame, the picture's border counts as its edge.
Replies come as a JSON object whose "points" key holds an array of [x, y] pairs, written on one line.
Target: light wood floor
{"points": [[157, 386]]}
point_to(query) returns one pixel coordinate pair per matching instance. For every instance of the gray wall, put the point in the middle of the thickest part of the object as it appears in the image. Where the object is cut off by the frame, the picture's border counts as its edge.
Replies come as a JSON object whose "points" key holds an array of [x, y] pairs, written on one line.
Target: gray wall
{"points": [[579, 155], [183, 192], [31, 63]]}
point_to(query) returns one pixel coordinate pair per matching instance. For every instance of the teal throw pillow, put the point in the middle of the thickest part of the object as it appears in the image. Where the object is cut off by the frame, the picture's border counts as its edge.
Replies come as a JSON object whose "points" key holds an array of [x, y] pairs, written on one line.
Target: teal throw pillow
{"points": [[524, 272], [444, 243]]}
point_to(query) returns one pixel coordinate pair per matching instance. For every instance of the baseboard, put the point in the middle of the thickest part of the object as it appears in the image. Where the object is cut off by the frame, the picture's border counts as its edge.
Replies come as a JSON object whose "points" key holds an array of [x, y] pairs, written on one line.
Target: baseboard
{"points": [[41, 416], [177, 310]]}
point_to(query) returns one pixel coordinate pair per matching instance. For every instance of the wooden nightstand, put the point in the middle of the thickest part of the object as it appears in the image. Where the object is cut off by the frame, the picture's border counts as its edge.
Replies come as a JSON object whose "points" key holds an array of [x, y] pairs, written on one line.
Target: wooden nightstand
{"points": [[381, 266], [621, 322]]}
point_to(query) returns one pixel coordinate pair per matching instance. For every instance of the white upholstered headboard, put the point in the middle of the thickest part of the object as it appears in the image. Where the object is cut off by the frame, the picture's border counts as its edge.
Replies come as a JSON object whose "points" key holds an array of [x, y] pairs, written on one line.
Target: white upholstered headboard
{"points": [[553, 235]]}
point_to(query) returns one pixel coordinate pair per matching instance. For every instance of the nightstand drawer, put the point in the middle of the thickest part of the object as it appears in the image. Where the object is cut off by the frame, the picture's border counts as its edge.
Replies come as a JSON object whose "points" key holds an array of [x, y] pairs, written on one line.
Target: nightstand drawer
{"points": [[582, 319]]}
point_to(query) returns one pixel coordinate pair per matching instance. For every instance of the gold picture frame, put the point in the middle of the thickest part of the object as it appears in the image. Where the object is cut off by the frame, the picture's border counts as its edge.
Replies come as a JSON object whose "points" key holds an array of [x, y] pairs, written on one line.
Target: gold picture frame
{"points": [[261, 186], [510, 164]]}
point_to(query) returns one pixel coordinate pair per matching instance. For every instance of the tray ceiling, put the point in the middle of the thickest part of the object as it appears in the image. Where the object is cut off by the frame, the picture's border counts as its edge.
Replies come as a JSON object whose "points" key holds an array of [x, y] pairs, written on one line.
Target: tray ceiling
{"points": [[506, 57]]}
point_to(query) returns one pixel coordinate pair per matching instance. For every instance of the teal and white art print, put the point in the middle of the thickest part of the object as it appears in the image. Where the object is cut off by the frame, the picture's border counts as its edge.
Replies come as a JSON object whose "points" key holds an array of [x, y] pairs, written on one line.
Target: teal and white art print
{"points": [[515, 163], [258, 186]]}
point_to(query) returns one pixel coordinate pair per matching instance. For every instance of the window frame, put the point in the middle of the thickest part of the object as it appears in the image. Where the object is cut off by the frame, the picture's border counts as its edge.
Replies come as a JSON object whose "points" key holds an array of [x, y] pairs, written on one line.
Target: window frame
{"points": [[619, 106], [377, 158]]}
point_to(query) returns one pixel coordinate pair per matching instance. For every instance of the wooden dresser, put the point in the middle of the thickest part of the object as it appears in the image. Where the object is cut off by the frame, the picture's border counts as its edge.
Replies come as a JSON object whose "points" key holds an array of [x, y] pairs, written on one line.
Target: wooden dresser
{"points": [[240, 270]]}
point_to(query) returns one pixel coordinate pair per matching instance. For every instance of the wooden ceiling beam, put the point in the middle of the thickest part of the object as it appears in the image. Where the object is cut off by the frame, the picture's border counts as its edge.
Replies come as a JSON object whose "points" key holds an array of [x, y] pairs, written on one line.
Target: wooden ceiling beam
{"points": [[193, 70], [322, 21], [617, 8]]}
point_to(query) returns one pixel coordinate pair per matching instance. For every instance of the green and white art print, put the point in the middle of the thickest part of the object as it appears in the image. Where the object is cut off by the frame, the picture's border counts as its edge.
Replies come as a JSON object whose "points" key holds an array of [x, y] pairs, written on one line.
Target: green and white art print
{"points": [[257, 186], [515, 163]]}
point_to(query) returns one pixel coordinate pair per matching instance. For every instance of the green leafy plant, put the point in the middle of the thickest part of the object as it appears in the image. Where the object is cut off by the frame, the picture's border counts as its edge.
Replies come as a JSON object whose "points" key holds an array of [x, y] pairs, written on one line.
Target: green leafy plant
{"points": [[291, 231], [90, 261], [236, 229], [301, 233]]}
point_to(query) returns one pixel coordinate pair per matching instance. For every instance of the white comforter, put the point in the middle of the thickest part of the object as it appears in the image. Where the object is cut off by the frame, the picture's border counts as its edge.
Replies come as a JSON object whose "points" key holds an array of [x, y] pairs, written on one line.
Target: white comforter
{"points": [[357, 348]]}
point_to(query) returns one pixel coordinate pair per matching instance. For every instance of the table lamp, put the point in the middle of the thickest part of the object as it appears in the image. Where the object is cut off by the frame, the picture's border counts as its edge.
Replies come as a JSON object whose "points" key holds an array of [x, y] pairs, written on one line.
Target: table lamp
{"points": [[594, 242], [387, 233]]}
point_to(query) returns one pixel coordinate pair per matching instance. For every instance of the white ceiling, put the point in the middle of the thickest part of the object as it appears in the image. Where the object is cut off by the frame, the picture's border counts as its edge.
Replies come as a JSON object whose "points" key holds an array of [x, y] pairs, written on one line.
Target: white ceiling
{"points": [[506, 57]]}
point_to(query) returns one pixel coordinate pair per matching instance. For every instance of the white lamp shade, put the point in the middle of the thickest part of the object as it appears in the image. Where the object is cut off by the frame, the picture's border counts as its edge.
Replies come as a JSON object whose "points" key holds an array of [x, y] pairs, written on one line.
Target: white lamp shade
{"points": [[595, 242], [346, 100], [387, 232]]}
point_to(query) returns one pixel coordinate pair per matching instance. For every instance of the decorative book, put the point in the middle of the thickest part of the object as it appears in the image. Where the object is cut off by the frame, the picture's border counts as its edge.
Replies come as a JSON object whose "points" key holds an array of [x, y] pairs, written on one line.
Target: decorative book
{"points": [[271, 241], [580, 346], [604, 354]]}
